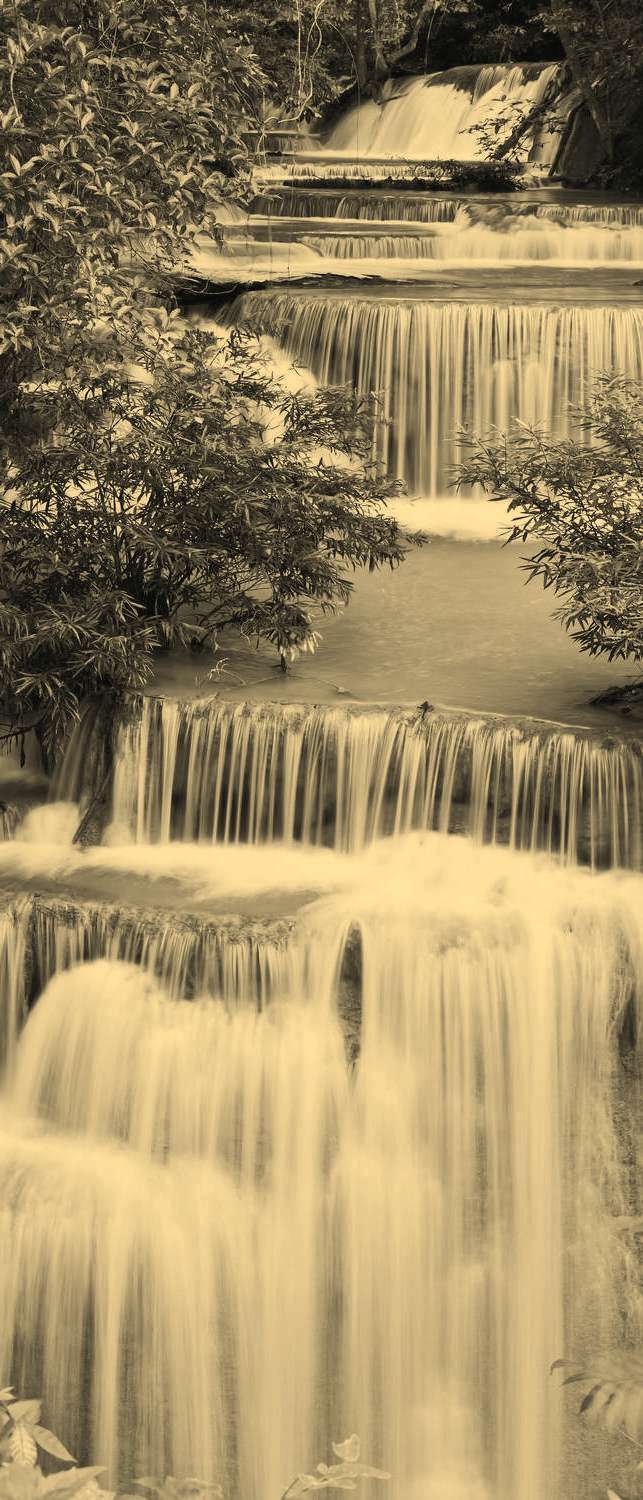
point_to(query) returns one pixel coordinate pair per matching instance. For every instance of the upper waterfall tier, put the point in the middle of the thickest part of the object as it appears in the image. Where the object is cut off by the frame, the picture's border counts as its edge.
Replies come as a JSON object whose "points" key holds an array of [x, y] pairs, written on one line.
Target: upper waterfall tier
{"points": [[253, 773], [443, 366], [439, 117]]}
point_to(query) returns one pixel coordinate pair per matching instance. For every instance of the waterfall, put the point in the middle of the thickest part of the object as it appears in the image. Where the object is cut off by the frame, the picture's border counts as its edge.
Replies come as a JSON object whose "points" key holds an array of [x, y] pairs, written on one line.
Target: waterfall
{"points": [[14, 919], [522, 240], [436, 117], [237, 772], [222, 1245], [620, 214], [422, 208], [189, 955], [506, 1107], [319, 1104], [443, 366], [321, 205]]}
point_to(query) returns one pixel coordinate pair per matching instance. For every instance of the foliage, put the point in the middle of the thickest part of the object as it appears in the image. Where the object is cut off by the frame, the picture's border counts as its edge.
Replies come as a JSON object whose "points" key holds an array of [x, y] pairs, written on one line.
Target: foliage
{"points": [[137, 482], [603, 42], [167, 510], [341, 1476], [22, 1438], [506, 135], [21, 1434], [581, 503], [315, 50], [614, 1398]]}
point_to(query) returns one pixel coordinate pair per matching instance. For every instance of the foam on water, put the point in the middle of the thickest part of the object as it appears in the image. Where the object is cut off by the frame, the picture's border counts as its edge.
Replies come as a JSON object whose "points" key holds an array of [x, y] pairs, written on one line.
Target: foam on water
{"points": [[205, 1213]]}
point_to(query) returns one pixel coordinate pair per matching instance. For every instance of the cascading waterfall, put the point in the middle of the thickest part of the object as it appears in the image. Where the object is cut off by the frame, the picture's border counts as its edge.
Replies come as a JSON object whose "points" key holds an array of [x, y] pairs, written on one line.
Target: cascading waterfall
{"points": [[14, 918], [489, 1157], [315, 1112], [522, 240], [236, 772], [173, 1332], [187, 954], [422, 208], [617, 214], [324, 204], [219, 1245], [436, 117], [443, 366]]}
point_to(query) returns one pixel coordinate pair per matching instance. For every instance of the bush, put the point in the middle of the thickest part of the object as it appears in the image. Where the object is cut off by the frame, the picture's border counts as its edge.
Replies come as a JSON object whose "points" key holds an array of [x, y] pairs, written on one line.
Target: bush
{"points": [[143, 503], [581, 504]]}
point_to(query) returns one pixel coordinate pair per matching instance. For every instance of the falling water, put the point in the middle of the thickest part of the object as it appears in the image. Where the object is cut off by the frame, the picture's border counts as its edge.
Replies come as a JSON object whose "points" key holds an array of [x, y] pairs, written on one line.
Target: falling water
{"points": [[14, 919], [522, 240], [188, 954], [359, 1160], [220, 1245], [422, 208], [619, 214], [237, 772], [443, 366], [435, 117], [324, 204]]}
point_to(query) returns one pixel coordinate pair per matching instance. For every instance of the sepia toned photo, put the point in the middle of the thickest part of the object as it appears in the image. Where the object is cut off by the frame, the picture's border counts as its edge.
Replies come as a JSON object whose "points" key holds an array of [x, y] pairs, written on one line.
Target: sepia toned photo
{"points": [[321, 749]]}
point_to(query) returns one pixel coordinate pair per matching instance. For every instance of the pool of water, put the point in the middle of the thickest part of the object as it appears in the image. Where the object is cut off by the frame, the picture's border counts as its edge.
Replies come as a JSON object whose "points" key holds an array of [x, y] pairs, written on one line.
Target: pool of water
{"points": [[456, 624]]}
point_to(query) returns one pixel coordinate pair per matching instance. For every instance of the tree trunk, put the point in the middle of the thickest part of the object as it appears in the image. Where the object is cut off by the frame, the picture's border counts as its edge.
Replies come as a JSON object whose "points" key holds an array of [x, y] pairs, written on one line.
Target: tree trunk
{"points": [[597, 105], [361, 63]]}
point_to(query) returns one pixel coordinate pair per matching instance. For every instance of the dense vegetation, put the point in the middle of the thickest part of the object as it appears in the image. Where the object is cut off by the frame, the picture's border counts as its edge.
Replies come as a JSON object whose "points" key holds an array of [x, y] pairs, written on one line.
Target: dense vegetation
{"points": [[581, 505], [157, 485], [316, 51]]}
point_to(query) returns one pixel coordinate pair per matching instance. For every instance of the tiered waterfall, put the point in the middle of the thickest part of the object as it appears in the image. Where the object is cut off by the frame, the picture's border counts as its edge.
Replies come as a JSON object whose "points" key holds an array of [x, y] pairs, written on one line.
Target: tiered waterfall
{"points": [[321, 1064]]}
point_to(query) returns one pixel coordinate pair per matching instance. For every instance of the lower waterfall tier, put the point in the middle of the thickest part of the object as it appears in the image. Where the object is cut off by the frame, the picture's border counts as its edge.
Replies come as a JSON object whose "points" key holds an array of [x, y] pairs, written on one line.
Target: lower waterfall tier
{"points": [[222, 1246]]}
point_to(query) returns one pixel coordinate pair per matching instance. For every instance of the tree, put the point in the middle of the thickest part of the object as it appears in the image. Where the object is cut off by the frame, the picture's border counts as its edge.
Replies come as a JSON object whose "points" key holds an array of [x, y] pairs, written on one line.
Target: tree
{"points": [[603, 43], [315, 50], [143, 503], [581, 504]]}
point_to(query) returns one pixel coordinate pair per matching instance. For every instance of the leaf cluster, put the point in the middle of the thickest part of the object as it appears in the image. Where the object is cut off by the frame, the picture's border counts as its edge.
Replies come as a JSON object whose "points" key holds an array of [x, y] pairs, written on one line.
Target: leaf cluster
{"points": [[157, 485], [166, 503], [579, 506]]}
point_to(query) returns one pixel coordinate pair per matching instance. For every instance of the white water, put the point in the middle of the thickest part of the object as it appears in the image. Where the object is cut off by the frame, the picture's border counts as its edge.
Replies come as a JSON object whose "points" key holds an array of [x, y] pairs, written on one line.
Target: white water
{"points": [[299, 204], [222, 1245], [435, 117], [205, 1215], [420, 208], [519, 241], [234, 772], [442, 366]]}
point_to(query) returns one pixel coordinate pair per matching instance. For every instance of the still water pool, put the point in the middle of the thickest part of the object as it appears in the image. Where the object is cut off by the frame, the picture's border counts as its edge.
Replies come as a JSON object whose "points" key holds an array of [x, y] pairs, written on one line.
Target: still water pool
{"points": [[457, 624]]}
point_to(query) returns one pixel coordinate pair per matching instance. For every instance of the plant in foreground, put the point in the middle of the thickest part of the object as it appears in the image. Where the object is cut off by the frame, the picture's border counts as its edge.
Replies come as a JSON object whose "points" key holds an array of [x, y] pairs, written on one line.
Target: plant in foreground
{"points": [[614, 1395], [23, 1439]]}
